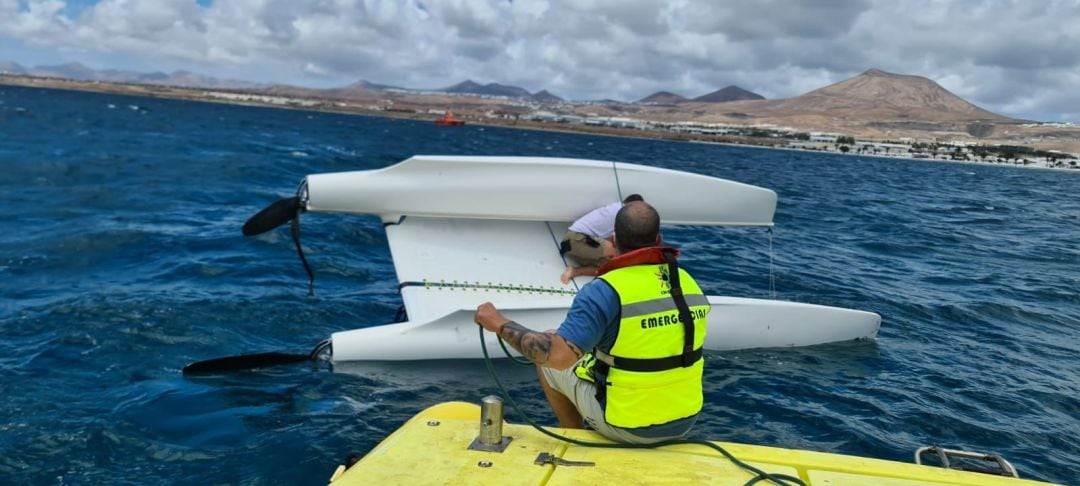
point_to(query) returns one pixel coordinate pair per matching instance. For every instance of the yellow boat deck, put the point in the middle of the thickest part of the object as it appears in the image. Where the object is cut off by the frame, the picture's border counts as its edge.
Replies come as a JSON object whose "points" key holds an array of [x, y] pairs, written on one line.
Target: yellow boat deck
{"points": [[432, 448]]}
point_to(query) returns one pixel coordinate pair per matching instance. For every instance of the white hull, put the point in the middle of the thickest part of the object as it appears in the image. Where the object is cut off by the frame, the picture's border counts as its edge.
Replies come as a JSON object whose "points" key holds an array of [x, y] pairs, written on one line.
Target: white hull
{"points": [[535, 189], [734, 323]]}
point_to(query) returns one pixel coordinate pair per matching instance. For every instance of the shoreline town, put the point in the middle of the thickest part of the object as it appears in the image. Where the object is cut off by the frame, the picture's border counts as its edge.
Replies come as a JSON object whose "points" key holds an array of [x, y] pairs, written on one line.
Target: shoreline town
{"points": [[736, 135]]}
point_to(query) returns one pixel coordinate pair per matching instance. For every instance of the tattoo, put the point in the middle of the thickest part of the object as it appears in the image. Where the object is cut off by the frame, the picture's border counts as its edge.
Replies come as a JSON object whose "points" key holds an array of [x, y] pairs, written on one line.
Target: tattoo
{"points": [[536, 346], [512, 332]]}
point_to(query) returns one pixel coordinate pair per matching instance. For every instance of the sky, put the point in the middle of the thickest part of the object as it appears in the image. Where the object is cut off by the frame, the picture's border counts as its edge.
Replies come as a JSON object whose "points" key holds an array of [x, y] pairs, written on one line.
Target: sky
{"points": [[1018, 58]]}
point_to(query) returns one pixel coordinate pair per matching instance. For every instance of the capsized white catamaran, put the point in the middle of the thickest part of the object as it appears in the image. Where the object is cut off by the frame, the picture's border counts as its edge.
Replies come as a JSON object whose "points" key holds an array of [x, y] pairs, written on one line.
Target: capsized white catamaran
{"points": [[464, 230]]}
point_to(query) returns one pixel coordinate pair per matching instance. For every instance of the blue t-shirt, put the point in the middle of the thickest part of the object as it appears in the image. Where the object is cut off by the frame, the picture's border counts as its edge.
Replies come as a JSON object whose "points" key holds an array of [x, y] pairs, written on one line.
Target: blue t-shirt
{"points": [[592, 320]]}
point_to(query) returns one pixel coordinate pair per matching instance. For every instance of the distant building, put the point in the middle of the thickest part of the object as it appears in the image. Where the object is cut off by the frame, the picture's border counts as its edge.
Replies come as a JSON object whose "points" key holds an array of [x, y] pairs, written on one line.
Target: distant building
{"points": [[272, 100], [824, 137]]}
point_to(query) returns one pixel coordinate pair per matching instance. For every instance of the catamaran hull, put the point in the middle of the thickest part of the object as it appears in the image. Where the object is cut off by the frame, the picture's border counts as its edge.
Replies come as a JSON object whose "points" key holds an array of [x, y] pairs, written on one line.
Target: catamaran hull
{"points": [[464, 230], [534, 189], [734, 323]]}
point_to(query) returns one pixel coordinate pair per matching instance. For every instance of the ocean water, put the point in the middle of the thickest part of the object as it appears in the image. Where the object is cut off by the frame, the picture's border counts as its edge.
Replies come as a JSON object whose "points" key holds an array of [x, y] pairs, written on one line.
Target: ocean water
{"points": [[121, 260]]}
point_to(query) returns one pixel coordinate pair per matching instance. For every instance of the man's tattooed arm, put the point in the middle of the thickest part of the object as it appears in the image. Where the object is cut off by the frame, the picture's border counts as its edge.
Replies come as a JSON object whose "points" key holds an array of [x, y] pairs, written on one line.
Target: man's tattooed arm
{"points": [[536, 346]]}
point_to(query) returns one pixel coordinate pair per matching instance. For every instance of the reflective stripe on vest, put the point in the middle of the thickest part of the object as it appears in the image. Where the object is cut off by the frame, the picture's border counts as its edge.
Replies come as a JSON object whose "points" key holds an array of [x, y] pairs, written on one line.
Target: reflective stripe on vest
{"points": [[652, 387]]}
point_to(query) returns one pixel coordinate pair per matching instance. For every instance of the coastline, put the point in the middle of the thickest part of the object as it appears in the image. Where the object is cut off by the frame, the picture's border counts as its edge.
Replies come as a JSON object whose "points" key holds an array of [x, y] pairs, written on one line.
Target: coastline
{"points": [[900, 157], [326, 106]]}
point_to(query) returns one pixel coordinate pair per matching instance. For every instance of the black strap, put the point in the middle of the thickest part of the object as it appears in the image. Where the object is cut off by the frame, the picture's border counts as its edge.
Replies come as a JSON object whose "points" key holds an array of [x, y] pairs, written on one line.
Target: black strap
{"points": [[600, 372], [300, 251], [655, 364], [685, 316]]}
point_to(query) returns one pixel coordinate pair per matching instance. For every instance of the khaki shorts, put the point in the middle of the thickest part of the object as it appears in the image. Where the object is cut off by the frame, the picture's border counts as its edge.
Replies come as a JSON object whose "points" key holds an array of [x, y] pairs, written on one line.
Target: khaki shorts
{"points": [[582, 249], [583, 394]]}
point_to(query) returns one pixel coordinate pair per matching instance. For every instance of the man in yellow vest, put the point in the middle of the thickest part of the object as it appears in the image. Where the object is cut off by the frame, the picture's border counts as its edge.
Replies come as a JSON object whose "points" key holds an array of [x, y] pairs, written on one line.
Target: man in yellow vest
{"points": [[627, 360]]}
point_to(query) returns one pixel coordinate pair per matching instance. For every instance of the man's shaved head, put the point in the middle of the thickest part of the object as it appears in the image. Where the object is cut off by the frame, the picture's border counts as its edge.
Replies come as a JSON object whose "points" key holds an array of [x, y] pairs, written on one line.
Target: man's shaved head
{"points": [[637, 225]]}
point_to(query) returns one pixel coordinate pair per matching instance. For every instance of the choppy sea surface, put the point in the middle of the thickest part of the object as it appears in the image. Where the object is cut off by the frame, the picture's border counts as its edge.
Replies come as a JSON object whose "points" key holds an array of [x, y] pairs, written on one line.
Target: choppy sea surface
{"points": [[121, 260]]}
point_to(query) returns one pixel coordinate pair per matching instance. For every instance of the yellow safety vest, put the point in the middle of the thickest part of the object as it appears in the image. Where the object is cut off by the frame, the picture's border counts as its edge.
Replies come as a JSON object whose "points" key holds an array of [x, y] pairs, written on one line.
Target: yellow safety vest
{"points": [[649, 379]]}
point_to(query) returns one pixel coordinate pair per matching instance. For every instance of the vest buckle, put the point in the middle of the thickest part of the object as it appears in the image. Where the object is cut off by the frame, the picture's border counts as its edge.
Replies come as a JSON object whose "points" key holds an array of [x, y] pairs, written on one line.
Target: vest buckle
{"points": [[689, 357]]}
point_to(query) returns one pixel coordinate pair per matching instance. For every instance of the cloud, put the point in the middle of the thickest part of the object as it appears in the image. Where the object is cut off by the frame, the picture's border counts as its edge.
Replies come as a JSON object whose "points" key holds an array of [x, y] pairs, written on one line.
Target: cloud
{"points": [[763, 20], [1016, 58]]}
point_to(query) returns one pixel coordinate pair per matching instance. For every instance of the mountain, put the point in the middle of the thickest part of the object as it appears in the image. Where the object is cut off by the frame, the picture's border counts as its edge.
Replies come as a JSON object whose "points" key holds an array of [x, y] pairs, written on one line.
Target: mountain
{"points": [[876, 94], [360, 90], [80, 72], [662, 98], [301, 92], [11, 67], [368, 85], [730, 93], [543, 96], [496, 89], [467, 86], [490, 89], [71, 70], [186, 79]]}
